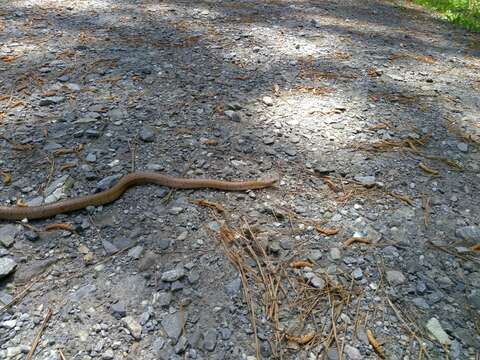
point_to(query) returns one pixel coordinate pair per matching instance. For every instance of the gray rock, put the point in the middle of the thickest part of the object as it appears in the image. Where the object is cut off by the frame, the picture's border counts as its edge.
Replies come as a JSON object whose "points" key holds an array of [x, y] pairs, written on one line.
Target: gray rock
{"points": [[109, 247], [367, 181], [148, 260], [474, 299], [5, 298], [108, 182], [108, 355], [314, 255], [225, 333], [118, 310], [210, 340], [7, 234], [83, 292], [315, 280], [173, 275], [462, 147], [181, 345], [136, 252], [357, 274], [470, 234], [91, 157], [7, 266], [286, 243], [434, 327], [133, 326], [163, 298], [352, 352], [51, 100], [9, 324], [395, 277], [163, 244], [158, 344], [233, 287], [173, 325], [335, 253], [267, 100], [421, 303], [147, 134], [233, 115], [268, 140]]}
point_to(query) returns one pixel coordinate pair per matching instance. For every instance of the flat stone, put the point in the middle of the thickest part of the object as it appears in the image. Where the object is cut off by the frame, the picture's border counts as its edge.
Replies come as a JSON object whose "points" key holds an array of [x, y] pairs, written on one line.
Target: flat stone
{"points": [[108, 182], [421, 303], [147, 134], [108, 355], [335, 253], [367, 181], [233, 115], [268, 140], [173, 275], [395, 277], [136, 252], [435, 328], [315, 255], [233, 287], [118, 310], [315, 280], [148, 260], [357, 274], [133, 326], [7, 234], [173, 325], [462, 147], [267, 100], [7, 266], [163, 299], [352, 352], [51, 100], [109, 247], [210, 340]]}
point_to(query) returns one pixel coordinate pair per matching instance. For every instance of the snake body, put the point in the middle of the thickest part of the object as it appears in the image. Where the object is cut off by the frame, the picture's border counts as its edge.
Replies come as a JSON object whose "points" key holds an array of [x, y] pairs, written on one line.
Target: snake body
{"points": [[126, 182]]}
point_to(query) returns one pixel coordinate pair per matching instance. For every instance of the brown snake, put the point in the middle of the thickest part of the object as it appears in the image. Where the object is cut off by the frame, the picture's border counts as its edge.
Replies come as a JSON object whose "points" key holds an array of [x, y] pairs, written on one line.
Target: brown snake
{"points": [[126, 182]]}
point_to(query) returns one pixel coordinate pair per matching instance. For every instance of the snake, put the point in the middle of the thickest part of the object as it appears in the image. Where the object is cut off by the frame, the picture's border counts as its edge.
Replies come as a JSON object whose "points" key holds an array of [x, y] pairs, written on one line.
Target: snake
{"points": [[124, 183]]}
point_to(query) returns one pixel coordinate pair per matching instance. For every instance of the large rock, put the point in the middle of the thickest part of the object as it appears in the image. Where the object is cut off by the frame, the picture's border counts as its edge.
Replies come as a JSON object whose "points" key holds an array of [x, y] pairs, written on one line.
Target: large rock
{"points": [[437, 331], [7, 234], [395, 277], [173, 325], [7, 266]]}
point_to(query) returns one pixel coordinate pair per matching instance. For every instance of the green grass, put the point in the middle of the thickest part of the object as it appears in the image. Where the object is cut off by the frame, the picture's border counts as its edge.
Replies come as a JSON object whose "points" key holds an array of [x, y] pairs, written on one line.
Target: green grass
{"points": [[458, 12]]}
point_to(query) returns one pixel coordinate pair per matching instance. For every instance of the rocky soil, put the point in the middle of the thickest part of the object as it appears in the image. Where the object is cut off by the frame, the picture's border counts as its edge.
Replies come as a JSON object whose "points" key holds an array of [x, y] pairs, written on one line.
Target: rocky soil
{"points": [[366, 111]]}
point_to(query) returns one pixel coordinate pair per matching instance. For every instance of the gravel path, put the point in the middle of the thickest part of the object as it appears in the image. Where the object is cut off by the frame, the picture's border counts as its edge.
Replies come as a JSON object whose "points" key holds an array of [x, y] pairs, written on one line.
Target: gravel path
{"points": [[367, 112]]}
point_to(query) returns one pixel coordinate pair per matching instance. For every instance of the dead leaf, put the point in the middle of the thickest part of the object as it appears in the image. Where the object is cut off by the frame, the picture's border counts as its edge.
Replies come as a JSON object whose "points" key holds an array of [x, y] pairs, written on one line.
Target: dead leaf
{"points": [[67, 166], [362, 240], [9, 58], [59, 226], [301, 340], [375, 344], [403, 198], [209, 142], [300, 264], [21, 203], [7, 178], [210, 204], [49, 93], [476, 247], [327, 231]]}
